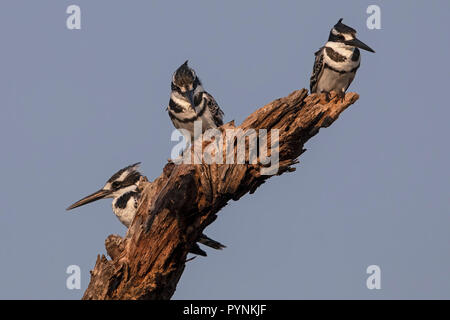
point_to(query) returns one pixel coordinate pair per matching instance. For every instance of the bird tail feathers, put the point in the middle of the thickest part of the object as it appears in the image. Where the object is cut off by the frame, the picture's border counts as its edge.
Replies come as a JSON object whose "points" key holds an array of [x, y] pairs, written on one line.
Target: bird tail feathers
{"points": [[210, 242]]}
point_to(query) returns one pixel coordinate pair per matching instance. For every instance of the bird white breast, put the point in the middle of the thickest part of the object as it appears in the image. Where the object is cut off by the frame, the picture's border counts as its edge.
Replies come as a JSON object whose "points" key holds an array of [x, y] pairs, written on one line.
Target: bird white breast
{"points": [[207, 122], [331, 80], [125, 215], [206, 118], [187, 112]]}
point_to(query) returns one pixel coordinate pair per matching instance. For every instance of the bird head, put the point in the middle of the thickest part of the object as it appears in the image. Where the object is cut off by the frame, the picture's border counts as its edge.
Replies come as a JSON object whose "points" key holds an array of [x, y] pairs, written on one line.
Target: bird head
{"points": [[185, 81], [342, 33], [122, 181]]}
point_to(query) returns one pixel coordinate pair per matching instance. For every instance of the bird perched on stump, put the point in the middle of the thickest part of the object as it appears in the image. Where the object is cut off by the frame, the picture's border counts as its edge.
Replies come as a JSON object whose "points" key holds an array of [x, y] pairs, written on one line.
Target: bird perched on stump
{"points": [[189, 102], [336, 63], [123, 188]]}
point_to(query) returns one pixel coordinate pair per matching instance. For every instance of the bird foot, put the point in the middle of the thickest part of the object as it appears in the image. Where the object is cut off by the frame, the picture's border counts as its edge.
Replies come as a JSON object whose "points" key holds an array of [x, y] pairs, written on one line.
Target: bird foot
{"points": [[325, 96], [341, 96], [329, 96]]}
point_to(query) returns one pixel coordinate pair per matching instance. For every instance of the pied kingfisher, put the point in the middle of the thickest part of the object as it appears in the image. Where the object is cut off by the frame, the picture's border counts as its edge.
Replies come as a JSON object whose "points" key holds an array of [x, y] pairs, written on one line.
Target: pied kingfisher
{"points": [[336, 63], [189, 102], [123, 188]]}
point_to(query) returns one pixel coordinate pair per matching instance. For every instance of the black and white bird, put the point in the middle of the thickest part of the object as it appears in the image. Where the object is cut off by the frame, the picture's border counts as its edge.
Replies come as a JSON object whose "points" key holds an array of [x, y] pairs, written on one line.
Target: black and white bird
{"points": [[336, 63], [189, 102], [123, 188]]}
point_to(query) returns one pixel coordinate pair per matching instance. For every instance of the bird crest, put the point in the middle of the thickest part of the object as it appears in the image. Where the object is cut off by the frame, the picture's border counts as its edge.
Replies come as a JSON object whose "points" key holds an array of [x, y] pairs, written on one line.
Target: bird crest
{"points": [[343, 28], [184, 76]]}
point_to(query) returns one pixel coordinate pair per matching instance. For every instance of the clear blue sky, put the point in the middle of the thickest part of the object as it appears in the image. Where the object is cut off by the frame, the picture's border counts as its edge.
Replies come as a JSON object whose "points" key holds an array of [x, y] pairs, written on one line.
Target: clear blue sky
{"points": [[76, 106]]}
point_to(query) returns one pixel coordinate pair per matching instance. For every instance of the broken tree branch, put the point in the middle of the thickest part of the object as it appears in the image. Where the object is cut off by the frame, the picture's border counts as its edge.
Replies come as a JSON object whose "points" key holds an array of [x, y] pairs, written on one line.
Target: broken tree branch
{"points": [[185, 198]]}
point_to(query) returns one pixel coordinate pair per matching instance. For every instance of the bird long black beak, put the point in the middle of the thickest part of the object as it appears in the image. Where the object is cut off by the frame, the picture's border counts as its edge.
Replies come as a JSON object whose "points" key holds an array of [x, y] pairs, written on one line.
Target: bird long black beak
{"points": [[359, 44], [190, 96], [100, 194]]}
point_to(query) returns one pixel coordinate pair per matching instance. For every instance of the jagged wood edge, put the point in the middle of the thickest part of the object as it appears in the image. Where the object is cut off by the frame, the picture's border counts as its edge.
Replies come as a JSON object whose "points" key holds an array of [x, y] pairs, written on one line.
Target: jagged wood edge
{"points": [[185, 199]]}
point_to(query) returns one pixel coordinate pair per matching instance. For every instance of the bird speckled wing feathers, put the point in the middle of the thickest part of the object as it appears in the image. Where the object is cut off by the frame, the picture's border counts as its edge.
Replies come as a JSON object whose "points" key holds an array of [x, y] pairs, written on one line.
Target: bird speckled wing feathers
{"points": [[317, 70], [214, 108]]}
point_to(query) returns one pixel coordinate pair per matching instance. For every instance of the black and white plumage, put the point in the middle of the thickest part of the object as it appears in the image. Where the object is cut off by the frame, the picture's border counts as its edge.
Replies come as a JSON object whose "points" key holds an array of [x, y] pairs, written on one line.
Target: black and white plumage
{"points": [[189, 102], [336, 63], [123, 188]]}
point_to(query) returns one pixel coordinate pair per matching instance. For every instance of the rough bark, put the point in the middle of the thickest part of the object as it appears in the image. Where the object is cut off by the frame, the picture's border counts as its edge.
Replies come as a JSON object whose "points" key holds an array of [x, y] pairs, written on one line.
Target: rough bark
{"points": [[185, 198]]}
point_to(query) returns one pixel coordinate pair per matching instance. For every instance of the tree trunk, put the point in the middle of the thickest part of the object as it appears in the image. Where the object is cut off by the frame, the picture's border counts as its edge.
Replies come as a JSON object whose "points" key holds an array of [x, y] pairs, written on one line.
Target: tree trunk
{"points": [[178, 205]]}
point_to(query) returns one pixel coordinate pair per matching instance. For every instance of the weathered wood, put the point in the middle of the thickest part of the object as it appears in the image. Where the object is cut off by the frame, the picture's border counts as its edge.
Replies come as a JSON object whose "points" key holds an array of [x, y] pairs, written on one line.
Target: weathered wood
{"points": [[185, 198]]}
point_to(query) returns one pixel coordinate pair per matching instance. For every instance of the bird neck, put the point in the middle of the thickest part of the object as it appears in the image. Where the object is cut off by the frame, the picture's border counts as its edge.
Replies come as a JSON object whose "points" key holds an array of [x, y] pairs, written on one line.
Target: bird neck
{"points": [[341, 48], [125, 206], [180, 100]]}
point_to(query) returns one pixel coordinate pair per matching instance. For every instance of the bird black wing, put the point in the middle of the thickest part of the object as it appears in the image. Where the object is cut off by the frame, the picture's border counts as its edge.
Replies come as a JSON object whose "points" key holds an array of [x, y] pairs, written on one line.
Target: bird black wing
{"points": [[214, 108], [317, 70]]}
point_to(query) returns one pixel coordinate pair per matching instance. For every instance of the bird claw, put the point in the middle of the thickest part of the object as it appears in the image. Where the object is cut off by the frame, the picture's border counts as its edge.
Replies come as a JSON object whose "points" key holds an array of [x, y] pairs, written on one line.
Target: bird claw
{"points": [[329, 96], [341, 96], [326, 96]]}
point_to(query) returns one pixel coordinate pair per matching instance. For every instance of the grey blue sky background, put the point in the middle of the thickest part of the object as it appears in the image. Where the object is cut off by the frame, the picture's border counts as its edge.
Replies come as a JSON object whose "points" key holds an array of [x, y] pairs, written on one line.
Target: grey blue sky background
{"points": [[76, 106]]}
